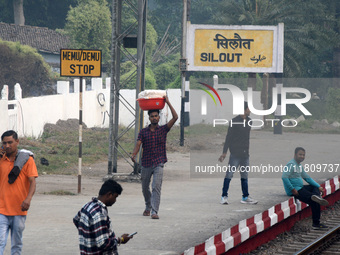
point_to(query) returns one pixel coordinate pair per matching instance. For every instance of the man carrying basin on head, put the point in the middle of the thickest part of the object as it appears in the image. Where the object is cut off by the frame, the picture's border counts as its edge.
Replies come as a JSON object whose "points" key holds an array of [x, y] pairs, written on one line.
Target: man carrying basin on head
{"points": [[153, 140]]}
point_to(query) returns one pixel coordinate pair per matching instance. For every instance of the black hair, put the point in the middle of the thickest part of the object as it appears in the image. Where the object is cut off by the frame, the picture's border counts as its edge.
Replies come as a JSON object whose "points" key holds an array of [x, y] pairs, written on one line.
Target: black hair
{"points": [[110, 186], [10, 133], [151, 111], [297, 149]]}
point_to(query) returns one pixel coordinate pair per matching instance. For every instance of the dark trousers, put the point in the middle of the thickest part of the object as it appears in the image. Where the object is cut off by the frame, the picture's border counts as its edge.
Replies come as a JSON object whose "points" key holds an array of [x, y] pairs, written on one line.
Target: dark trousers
{"points": [[305, 195], [241, 163]]}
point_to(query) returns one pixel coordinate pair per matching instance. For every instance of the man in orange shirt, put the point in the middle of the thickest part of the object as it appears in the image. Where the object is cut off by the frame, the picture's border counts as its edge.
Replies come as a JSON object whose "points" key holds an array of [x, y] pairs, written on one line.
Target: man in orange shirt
{"points": [[15, 197]]}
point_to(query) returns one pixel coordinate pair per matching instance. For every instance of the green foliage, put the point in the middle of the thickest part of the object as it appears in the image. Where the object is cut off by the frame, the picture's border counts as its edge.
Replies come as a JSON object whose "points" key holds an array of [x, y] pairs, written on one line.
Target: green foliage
{"points": [[128, 80], [333, 104], [41, 13], [151, 42], [126, 67], [202, 11], [309, 30], [57, 145], [238, 79], [167, 72], [22, 64], [60, 147], [150, 81], [317, 108], [176, 84], [89, 26], [163, 13], [319, 86], [44, 13], [6, 11], [259, 83]]}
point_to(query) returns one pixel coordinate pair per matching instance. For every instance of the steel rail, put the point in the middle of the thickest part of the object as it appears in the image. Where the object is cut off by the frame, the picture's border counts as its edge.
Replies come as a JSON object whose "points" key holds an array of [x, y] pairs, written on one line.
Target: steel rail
{"points": [[323, 242]]}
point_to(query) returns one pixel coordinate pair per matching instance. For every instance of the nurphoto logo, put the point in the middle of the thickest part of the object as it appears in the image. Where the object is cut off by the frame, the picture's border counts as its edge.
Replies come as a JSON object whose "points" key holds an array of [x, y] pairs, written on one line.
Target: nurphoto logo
{"points": [[238, 105], [213, 90]]}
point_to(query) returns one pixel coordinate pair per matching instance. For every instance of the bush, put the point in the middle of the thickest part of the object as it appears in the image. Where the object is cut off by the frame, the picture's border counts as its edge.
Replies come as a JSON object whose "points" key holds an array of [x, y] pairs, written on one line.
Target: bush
{"points": [[316, 107], [24, 65]]}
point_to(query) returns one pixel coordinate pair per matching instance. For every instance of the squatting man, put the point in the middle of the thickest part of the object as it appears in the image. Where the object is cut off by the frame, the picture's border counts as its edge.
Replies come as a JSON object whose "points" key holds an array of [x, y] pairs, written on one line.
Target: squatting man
{"points": [[293, 177]]}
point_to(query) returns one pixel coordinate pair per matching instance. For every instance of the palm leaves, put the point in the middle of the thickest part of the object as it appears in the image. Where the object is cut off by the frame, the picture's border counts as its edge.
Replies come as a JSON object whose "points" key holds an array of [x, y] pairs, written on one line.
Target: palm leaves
{"points": [[309, 27]]}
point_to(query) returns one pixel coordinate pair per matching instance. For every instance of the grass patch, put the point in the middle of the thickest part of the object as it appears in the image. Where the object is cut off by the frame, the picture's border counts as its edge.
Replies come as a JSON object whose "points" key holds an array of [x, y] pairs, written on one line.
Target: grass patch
{"points": [[61, 147], [306, 127], [204, 129]]}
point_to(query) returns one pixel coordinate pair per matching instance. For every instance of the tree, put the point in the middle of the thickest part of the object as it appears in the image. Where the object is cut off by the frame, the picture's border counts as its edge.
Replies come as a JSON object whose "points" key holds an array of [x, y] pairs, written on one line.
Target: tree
{"points": [[150, 42], [41, 13], [22, 64], [46, 13], [6, 11], [89, 26], [18, 7], [335, 7], [162, 13], [201, 11], [307, 28], [166, 72], [150, 81]]}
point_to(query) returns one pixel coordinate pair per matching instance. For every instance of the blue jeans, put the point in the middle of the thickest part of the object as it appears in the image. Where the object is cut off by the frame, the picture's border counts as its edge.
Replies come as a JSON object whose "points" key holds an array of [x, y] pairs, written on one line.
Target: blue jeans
{"points": [[234, 163], [17, 225]]}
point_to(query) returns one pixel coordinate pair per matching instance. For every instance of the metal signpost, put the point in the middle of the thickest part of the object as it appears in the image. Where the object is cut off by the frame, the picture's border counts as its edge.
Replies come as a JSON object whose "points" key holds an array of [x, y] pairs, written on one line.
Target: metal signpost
{"points": [[80, 63]]}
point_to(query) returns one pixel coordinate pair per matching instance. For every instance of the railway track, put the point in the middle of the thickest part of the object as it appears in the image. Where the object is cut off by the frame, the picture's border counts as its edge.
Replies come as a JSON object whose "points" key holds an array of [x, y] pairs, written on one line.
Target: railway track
{"points": [[305, 240], [317, 241], [327, 244]]}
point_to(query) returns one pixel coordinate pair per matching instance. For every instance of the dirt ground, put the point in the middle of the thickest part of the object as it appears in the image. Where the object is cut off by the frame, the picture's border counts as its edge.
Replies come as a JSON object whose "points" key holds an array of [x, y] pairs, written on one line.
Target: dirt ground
{"points": [[94, 174], [190, 212]]}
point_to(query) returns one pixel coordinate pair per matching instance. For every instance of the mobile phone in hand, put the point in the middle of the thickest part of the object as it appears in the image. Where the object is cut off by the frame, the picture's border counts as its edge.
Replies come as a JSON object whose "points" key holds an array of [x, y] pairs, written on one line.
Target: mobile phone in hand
{"points": [[2, 151], [132, 234]]}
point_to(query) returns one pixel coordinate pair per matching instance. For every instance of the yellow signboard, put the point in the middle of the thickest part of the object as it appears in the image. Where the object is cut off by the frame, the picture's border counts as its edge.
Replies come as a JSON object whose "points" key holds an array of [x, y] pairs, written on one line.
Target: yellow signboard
{"points": [[81, 63], [235, 48]]}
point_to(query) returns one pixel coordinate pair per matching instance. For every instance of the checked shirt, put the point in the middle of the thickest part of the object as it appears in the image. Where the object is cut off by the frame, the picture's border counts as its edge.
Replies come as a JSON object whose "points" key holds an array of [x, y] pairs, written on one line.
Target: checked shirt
{"points": [[154, 145], [94, 229]]}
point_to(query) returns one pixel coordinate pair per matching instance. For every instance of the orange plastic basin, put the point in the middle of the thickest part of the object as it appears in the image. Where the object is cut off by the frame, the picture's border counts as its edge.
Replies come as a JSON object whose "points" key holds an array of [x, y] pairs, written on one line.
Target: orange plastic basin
{"points": [[151, 103]]}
